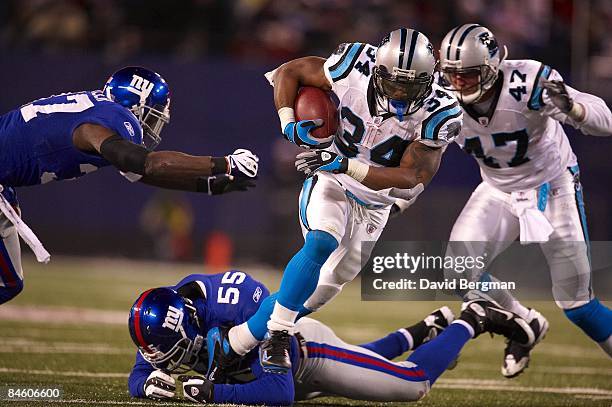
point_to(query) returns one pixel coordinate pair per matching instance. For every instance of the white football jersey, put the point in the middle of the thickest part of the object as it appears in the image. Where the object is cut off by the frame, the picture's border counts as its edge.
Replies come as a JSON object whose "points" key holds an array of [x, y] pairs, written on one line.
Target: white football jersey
{"points": [[375, 137], [519, 143]]}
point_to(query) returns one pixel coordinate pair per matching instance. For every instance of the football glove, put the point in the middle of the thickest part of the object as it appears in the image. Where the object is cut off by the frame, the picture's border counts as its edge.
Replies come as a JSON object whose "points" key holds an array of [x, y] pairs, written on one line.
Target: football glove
{"points": [[299, 133], [313, 161], [404, 198], [197, 388], [222, 184], [243, 163], [159, 386], [558, 95]]}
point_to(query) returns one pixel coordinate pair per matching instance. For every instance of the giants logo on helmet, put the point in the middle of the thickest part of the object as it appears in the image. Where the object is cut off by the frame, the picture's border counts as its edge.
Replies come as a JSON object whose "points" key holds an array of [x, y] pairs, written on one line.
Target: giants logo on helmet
{"points": [[140, 86], [174, 319]]}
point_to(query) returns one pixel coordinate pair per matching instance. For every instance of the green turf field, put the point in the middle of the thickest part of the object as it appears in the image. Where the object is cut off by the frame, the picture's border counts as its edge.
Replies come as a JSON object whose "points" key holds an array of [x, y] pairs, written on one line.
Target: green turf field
{"points": [[49, 338]]}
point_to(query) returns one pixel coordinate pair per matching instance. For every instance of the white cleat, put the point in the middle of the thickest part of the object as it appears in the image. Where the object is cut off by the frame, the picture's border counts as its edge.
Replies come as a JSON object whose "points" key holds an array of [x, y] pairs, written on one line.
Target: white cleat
{"points": [[516, 356]]}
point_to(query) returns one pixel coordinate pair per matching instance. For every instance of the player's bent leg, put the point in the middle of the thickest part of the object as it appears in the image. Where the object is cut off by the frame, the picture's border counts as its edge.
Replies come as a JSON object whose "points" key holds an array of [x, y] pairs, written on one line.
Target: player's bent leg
{"points": [[595, 320], [11, 273]]}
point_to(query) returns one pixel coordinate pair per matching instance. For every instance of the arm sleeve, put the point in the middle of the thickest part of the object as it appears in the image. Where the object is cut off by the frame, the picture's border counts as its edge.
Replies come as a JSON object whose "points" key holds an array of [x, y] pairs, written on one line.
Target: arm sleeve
{"points": [[138, 376], [598, 118], [270, 389]]}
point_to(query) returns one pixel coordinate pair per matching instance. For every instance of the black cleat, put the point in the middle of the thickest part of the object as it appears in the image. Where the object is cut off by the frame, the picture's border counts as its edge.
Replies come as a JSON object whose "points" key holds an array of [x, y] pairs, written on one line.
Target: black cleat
{"points": [[438, 321], [517, 356], [274, 352], [487, 316]]}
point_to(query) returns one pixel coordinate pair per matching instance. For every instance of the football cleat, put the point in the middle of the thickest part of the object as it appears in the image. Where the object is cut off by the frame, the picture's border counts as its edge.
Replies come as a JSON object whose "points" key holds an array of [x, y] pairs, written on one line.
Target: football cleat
{"points": [[517, 356], [437, 321], [488, 316], [274, 352]]}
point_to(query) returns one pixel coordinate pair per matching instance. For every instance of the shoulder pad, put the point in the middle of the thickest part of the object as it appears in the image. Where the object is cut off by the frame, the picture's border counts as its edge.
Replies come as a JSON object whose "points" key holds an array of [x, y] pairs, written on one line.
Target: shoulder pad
{"points": [[348, 58], [443, 123], [524, 77]]}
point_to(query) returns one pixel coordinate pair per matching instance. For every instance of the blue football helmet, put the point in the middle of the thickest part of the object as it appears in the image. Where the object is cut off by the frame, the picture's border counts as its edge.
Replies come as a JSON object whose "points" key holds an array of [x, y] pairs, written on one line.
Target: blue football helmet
{"points": [[165, 328], [147, 95]]}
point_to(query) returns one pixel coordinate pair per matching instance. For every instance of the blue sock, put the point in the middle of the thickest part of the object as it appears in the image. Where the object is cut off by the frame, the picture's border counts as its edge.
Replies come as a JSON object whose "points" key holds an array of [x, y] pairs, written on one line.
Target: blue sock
{"points": [[435, 356], [302, 272], [391, 346], [258, 322], [594, 318]]}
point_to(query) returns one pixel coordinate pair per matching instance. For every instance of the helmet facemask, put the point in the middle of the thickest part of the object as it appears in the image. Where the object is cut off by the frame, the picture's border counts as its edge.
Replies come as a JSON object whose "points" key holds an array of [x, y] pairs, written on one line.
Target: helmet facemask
{"points": [[152, 120], [183, 356], [479, 78], [400, 92]]}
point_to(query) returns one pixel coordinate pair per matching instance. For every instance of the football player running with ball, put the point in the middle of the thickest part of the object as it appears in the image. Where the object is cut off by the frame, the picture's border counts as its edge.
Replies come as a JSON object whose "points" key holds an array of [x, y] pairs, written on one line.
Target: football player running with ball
{"points": [[72, 134], [395, 125], [513, 111]]}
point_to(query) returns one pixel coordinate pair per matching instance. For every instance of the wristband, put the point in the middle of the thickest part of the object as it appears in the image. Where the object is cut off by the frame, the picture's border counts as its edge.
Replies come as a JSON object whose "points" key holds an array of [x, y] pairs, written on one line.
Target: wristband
{"points": [[286, 116], [357, 170], [220, 165]]}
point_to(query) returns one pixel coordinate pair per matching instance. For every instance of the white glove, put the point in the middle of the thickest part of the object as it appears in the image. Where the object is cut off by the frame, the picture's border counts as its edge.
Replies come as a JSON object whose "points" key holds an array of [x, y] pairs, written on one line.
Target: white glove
{"points": [[243, 163], [159, 385], [404, 198]]}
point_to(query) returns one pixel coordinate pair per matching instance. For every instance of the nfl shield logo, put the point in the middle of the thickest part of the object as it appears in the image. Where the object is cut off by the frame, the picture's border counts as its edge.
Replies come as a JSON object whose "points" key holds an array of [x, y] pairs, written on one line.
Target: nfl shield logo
{"points": [[370, 228], [484, 121]]}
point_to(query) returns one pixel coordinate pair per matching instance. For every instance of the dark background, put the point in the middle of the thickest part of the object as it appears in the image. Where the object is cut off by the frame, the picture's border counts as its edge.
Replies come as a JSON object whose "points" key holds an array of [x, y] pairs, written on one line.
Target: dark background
{"points": [[214, 54]]}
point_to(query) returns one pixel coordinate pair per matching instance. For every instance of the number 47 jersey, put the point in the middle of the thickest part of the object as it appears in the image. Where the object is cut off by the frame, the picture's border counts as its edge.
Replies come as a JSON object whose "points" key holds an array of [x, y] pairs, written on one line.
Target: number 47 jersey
{"points": [[519, 142], [372, 135]]}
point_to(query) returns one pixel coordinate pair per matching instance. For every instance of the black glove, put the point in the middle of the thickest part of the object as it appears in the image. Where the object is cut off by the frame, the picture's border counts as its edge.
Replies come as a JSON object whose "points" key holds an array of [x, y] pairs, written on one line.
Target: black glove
{"points": [[222, 184], [321, 160], [197, 388], [558, 95]]}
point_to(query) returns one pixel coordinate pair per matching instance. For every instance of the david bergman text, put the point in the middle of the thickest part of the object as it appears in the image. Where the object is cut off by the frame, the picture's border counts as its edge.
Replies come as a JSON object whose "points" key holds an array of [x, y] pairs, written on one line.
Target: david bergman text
{"points": [[425, 284]]}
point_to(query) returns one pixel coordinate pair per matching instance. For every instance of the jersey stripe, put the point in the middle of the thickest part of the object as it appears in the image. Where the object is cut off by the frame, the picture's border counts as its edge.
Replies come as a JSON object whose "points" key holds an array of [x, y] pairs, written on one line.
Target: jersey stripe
{"points": [[403, 33], [343, 67], [432, 125], [536, 100], [413, 40], [325, 351], [462, 38]]}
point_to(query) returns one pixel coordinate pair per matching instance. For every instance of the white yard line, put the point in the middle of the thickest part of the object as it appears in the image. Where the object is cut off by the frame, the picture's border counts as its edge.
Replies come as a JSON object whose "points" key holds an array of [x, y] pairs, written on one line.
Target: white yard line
{"points": [[24, 345], [62, 315], [571, 370]]}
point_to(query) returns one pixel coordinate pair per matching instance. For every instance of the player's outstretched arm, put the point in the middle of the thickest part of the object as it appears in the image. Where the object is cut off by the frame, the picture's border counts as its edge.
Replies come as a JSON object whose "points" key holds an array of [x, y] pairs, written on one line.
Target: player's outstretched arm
{"points": [[170, 169], [287, 79], [418, 166]]}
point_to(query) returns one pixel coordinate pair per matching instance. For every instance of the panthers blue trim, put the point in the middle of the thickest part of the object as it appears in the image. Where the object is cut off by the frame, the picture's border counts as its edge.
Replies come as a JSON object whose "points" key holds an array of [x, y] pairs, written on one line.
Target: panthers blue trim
{"points": [[580, 202], [348, 60], [536, 101], [437, 119], [306, 192], [543, 196], [362, 203], [594, 318]]}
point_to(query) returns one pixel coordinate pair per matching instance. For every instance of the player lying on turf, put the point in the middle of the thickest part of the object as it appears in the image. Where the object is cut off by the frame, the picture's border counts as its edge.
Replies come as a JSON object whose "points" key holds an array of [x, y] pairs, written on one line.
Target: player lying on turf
{"points": [[174, 329], [395, 124], [513, 111], [69, 135]]}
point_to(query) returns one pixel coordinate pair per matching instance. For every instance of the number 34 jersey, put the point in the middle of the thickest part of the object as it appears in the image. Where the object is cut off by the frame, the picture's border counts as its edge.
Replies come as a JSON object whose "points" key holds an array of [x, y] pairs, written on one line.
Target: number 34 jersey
{"points": [[519, 143], [376, 137]]}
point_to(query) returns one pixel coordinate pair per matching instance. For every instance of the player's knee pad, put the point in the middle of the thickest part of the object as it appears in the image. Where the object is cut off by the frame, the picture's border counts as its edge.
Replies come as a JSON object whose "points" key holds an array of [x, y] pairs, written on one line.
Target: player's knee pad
{"points": [[8, 293], [319, 245], [594, 318]]}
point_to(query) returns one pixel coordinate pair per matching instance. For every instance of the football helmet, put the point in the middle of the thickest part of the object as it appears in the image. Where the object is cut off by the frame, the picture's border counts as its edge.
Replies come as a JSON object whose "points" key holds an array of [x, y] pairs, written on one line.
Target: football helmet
{"points": [[403, 72], [147, 95], [165, 328], [469, 61]]}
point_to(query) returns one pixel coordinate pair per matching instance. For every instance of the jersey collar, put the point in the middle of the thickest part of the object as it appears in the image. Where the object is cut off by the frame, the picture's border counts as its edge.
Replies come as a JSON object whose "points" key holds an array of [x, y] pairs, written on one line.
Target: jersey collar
{"points": [[498, 86]]}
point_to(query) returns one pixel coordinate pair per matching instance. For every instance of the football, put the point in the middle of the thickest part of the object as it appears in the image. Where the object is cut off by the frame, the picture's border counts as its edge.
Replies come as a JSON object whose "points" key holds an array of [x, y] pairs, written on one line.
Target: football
{"points": [[314, 103]]}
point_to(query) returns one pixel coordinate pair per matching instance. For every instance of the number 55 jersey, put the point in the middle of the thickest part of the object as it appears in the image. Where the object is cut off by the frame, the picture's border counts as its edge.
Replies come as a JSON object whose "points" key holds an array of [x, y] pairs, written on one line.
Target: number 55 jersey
{"points": [[517, 137]]}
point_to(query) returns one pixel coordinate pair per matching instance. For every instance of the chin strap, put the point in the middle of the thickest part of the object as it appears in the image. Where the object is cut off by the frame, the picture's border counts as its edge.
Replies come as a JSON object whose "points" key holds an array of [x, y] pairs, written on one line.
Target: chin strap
{"points": [[400, 108]]}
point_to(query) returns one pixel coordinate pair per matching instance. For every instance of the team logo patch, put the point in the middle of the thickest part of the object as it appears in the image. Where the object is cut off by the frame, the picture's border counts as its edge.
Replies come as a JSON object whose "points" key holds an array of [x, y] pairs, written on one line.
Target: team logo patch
{"points": [[257, 294], [489, 42], [194, 391], [129, 128]]}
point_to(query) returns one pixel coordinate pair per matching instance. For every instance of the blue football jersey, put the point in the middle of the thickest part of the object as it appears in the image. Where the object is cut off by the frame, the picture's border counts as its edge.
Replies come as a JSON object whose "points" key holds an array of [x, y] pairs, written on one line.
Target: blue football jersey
{"points": [[36, 139]]}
